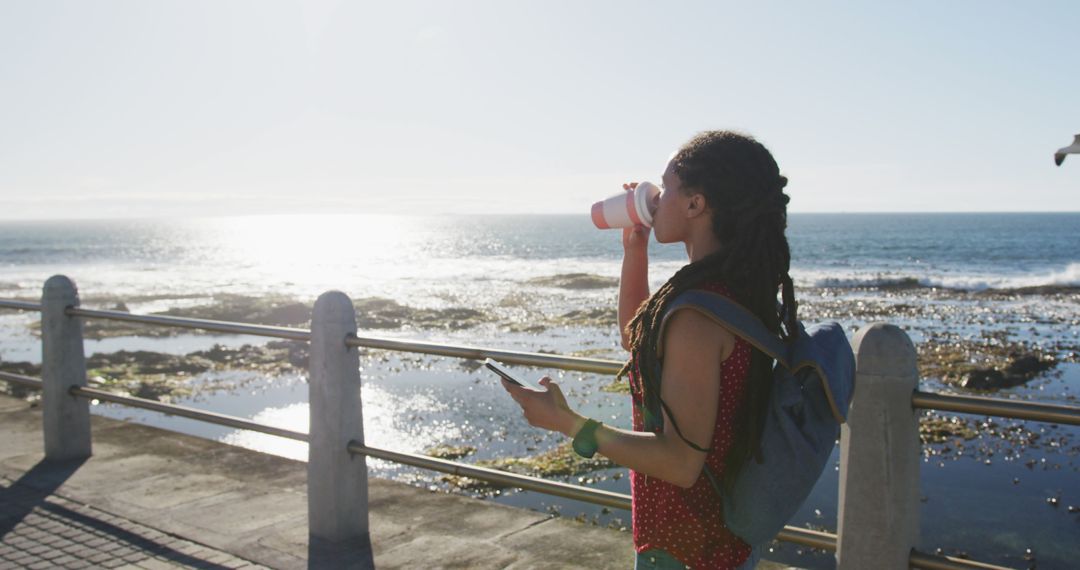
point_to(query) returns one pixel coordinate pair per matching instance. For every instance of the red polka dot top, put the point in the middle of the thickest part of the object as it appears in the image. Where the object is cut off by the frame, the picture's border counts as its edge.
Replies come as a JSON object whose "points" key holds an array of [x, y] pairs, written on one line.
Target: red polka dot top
{"points": [[687, 523]]}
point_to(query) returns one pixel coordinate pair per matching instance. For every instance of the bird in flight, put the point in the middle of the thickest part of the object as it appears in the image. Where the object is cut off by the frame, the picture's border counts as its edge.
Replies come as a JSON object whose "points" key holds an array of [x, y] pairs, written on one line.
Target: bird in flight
{"points": [[1059, 156]]}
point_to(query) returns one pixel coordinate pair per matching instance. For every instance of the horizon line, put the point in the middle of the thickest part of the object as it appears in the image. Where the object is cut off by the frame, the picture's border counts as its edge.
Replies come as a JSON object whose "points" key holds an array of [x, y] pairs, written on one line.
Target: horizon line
{"points": [[496, 214]]}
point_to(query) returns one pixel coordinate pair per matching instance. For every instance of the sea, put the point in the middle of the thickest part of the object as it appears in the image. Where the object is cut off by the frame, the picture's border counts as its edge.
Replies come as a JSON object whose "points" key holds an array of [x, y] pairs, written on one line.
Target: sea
{"points": [[991, 284]]}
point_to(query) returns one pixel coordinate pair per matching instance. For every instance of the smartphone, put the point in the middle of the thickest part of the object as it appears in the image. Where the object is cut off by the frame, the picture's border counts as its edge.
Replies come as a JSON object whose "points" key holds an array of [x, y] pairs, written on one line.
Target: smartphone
{"points": [[496, 368]]}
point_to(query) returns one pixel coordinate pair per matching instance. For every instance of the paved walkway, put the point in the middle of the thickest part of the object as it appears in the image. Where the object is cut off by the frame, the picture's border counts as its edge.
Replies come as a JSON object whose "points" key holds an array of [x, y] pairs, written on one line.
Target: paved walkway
{"points": [[39, 530]]}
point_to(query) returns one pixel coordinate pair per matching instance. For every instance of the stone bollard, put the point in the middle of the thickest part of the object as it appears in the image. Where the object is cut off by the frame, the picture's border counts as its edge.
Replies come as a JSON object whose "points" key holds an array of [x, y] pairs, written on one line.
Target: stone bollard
{"points": [[879, 454], [66, 418], [337, 480]]}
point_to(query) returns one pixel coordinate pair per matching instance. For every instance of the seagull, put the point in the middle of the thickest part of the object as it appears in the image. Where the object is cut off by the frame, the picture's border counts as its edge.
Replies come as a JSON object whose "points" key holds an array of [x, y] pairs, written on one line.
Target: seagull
{"points": [[1059, 156]]}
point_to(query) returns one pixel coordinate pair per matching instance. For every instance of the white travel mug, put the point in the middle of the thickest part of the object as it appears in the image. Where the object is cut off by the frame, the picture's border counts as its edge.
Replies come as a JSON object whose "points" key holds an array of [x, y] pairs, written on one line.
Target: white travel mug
{"points": [[627, 209]]}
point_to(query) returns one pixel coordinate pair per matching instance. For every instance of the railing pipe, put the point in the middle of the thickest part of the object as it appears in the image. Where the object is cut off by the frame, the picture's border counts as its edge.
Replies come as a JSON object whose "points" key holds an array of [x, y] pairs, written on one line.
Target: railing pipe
{"points": [[185, 412], [1069, 415], [190, 323], [931, 562], [566, 490], [19, 305], [507, 356], [806, 537], [20, 380]]}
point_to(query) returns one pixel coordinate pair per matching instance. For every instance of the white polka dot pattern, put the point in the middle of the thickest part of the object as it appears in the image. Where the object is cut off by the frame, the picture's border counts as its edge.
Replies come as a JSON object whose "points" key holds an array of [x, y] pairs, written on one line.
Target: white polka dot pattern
{"points": [[688, 523]]}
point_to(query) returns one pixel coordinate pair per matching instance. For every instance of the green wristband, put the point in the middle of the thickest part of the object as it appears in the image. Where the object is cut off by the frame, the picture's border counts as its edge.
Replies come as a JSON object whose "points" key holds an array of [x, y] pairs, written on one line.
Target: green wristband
{"points": [[585, 439]]}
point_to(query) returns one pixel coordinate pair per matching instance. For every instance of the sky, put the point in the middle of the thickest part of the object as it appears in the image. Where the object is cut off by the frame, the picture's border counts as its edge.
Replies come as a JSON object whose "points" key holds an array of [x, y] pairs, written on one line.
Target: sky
{"points": [[176, 109]]}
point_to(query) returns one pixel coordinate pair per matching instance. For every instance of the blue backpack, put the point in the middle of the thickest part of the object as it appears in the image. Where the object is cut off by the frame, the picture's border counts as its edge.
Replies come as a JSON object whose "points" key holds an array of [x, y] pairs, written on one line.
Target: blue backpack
{"points": [[813, 380]]}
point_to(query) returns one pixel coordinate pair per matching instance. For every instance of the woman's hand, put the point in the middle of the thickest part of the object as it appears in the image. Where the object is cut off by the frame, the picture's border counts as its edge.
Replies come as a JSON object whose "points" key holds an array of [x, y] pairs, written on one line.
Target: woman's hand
{"points": [[547, 409], [635, 239]]}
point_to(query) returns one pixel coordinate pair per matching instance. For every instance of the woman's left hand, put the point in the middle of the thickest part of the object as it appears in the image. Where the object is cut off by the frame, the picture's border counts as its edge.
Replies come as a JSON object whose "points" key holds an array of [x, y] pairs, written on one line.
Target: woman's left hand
{"points": [[547, 409]]}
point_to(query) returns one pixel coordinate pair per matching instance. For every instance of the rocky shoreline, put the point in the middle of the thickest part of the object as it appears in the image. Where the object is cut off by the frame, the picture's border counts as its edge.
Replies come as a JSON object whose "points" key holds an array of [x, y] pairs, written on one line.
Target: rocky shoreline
{"points": [[929, 310]]}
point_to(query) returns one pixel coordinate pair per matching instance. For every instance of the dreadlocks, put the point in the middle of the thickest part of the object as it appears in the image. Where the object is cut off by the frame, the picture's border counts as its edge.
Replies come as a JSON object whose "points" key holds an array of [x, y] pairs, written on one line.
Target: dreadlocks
{"points": [[743, 187]]}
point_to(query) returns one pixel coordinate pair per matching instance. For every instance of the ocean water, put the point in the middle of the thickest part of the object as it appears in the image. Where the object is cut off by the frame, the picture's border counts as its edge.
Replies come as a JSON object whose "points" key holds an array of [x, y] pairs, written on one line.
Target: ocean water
{"points": [[529, 279], [360, 254]]}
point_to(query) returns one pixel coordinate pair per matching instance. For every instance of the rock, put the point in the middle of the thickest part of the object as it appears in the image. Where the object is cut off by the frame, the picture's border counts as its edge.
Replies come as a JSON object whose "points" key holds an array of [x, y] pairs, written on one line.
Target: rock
{"points": [[296, 352], [983, 379], [469, 365], [125, 362], [1021, 369], [150, 391], [1028, 365], [289, 314], [22, 368], [299, 355]]}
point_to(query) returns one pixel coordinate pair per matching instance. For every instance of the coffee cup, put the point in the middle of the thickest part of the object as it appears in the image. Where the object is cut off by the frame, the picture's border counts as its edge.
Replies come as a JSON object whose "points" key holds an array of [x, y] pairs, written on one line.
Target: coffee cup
{"points": [[626, 209]]}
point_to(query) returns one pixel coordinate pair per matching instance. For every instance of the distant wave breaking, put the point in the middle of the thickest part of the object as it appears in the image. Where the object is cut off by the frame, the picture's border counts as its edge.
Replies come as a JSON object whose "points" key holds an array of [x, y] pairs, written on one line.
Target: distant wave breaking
{"points": [[1068, 278]]}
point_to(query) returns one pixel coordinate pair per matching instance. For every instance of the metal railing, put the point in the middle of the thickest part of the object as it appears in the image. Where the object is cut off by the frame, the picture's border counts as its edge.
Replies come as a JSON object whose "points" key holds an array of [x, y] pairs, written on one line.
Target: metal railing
{"points": [[811, 538], [20, 380], [1022, 410]]}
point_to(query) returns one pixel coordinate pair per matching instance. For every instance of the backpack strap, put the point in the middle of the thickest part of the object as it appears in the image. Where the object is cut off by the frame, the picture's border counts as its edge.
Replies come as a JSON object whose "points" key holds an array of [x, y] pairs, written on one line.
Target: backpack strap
{"points": [[835, 367], [674, 424], [730, 315]]}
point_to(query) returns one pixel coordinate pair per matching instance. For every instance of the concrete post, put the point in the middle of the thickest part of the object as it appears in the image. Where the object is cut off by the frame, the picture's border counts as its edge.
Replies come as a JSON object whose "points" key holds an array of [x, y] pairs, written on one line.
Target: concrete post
{"points": [[66, 418], [337, 480], [879, 454]]}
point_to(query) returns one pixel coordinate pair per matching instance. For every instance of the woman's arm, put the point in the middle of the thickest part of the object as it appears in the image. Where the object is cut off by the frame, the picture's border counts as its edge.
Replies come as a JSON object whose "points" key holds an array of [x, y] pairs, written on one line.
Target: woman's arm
{"points": [[634, 280], [693, 349]]}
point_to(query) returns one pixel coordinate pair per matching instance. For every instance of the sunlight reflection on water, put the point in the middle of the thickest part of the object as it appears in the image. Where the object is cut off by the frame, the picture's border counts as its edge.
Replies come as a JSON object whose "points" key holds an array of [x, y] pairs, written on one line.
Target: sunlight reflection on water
{"points": [[384, 425]]}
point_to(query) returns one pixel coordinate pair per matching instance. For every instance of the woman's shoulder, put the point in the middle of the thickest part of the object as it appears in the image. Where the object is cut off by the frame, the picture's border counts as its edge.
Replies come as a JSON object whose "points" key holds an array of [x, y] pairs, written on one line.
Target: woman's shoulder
{"points": [[698, 330], [718, 287]]}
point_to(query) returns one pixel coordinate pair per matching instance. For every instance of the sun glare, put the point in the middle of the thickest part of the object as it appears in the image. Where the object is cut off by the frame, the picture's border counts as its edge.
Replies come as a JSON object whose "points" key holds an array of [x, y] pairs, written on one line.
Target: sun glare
{"points": [[317, 252]]}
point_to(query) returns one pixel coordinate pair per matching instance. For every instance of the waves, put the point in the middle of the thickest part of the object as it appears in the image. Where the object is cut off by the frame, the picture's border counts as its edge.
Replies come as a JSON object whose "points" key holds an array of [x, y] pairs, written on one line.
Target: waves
{"points": [[1066, 279]]}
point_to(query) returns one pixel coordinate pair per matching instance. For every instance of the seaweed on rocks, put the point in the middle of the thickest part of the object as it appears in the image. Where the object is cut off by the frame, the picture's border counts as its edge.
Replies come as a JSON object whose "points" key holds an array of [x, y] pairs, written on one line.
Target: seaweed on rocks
{"points": [[161, 376], [598, 317], [271, 310], [239, 308], [380, 313], [450, 451], [371, 313], [991, 363], [616, 386], [576, 281], [937, 428], [560, 461]]}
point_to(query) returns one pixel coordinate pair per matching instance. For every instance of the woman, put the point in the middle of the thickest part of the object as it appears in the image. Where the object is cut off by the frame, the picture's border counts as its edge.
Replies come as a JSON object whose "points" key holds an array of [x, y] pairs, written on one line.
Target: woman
{"points": [[701, 405]]}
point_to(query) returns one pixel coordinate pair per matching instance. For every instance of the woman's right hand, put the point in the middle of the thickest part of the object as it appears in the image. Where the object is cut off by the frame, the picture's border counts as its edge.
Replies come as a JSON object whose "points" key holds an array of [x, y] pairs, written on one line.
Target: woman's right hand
{"points": [[635, 239]]}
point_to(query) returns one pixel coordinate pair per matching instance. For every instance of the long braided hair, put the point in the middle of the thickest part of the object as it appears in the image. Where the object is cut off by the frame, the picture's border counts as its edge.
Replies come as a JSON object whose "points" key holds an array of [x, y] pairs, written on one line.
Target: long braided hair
{"points": [[743, 187]]}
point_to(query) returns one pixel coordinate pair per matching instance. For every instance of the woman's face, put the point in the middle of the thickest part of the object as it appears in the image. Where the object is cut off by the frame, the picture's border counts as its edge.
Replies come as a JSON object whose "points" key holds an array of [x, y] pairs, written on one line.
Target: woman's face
{"points": [[669, 220]]}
